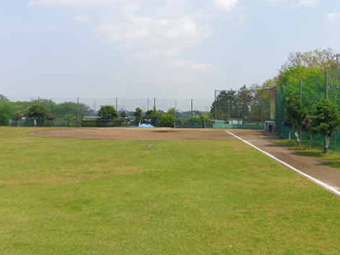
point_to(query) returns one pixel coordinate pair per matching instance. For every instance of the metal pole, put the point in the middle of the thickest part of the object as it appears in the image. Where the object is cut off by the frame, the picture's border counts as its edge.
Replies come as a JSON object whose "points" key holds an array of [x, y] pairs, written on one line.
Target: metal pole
{"points": [[175, 114], [154, 102], [148, 104], [94, 105], [78, 121], [117, 104], [192, 107]]}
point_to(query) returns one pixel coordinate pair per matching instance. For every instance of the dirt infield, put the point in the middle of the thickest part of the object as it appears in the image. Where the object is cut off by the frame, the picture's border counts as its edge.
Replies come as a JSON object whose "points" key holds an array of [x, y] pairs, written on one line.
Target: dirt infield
{"points": [[135, 134]]}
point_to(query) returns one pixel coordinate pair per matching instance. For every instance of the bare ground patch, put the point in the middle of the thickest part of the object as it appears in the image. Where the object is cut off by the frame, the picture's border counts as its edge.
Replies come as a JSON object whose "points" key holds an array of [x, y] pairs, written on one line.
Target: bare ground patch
{"points": [[134, 134]]}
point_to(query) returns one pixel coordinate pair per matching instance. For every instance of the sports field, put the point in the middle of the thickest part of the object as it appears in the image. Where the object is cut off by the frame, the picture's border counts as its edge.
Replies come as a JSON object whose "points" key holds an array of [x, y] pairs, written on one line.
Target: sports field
{"points": [[177, 193]]}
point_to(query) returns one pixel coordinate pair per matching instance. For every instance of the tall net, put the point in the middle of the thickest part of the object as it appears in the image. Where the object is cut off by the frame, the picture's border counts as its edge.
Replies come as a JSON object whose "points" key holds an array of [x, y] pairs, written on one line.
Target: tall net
{"points": [[245, 108], [310, 91]]}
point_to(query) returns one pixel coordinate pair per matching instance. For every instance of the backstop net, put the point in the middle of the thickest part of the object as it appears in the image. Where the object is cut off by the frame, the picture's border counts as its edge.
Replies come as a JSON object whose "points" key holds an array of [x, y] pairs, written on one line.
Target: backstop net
{"points": [[245, 108]]}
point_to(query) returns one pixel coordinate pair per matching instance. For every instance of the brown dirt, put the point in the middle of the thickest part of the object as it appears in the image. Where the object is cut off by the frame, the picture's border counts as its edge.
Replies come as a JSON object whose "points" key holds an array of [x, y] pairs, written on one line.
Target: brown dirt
{"points": [[135, 134], [307, 164]]}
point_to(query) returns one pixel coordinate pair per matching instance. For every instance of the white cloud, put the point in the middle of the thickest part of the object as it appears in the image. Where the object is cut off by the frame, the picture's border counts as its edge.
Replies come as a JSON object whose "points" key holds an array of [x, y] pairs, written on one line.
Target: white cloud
{"points": [[296, 3], [73, 2], [333, 17], [226, 5], [188, 64], [82, 18], [152, 29]]}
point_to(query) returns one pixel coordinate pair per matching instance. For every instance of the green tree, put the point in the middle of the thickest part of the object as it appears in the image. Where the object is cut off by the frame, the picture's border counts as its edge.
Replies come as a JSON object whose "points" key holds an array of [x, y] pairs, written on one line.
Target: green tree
{"points": [[71, 108], [3, 98], [5, 113], [325, 121], [244, 100], [167, 120], [138, 114], [322, 59], [296, 115], [153, 116], [47, 103], [225, 105], [107, 112], [294, 74], [70, 119], [37, 112], [172, 111]]}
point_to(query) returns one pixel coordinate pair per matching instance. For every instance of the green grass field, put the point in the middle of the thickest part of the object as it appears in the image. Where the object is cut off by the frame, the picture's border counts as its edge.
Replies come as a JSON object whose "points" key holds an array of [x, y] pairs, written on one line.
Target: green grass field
{"points": [[82, 197]]}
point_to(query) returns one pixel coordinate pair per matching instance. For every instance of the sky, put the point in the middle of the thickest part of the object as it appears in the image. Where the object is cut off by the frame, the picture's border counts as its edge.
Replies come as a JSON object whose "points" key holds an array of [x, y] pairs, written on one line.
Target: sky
{"points": [[154, 48]]}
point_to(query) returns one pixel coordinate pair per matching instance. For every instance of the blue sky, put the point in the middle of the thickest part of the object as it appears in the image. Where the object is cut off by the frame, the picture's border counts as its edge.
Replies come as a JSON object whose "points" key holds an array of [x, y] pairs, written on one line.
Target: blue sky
{"points": [[154, 48]]}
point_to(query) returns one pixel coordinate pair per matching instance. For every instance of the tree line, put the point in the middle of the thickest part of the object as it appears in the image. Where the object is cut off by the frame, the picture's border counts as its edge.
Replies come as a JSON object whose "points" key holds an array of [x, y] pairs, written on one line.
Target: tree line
{"points": [[42, 110], [45, 112]]}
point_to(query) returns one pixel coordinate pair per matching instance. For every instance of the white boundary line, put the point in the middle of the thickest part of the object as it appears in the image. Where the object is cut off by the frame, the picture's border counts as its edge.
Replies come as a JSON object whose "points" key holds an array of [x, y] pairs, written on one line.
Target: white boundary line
{"points": [[322, 184]]}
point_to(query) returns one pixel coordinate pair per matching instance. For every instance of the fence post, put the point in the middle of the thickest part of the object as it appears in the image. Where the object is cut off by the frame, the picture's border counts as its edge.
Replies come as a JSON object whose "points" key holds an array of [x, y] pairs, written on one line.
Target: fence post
{"points": [[78, 115]]}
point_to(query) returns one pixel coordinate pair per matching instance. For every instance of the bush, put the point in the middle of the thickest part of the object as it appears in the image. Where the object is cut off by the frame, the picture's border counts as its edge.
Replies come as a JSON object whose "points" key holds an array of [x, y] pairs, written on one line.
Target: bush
{"points": [[167, 120]]}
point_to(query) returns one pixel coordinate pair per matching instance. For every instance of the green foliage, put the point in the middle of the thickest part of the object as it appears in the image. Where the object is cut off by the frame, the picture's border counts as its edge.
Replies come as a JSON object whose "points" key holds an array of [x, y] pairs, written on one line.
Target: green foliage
{"points": [[71, 108], [71, 120], [5, 112], [20, 107], [324, 59], [325, 120], [51, 116], [270, 83], [167, 120], [296, 114], [3, 98], [253, 104], [138, 114], [172, 111], [244, 100], [224, 106], [107, 112], [37, 111], [154, 117], [206, 117], [47, 103], [18, 116], [294, 74]]}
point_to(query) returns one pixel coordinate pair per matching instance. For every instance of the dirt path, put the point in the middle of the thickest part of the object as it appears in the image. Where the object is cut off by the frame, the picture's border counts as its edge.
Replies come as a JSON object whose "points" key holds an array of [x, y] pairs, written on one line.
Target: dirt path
{"points": [[307, 164]]}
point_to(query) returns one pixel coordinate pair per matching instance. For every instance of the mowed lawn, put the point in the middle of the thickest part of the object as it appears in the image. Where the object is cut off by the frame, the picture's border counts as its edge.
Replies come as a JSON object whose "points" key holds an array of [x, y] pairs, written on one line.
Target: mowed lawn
{"points": [[82, 197]]}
